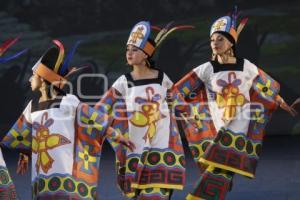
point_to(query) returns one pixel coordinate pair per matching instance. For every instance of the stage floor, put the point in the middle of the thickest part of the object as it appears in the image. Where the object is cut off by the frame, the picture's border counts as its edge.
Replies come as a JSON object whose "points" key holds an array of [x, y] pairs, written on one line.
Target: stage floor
{"points": [[277, 177]]}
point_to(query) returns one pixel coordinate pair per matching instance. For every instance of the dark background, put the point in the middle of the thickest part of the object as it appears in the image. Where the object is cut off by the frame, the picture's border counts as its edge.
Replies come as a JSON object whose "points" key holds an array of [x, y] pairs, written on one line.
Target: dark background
{"points": [[271, 39]]}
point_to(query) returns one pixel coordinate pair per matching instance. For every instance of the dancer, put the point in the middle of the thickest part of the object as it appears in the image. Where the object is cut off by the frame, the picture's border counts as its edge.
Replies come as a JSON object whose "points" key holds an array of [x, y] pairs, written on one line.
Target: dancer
{"points": [[138, 103], [63, 135], [7, 187], [225, 105]]}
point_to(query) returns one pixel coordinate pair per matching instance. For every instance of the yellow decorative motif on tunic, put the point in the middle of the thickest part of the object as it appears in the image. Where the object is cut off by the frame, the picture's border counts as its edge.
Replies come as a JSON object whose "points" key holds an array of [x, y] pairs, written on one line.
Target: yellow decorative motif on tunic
{"points": [[149, 115], [43, 142], [230, 97]]}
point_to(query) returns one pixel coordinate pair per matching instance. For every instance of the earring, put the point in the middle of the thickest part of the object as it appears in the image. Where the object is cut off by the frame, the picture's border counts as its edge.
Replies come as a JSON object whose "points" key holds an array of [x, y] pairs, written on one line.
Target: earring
{"points": [[43, 86], [213, 56], [230, 53], [147, 63], [225, 57]]}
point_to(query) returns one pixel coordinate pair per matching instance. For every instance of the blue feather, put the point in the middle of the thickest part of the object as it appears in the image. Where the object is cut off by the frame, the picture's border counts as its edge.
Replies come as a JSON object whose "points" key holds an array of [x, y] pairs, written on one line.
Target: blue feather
{"points": [[8, 58], [65, 65], [234, 17]]}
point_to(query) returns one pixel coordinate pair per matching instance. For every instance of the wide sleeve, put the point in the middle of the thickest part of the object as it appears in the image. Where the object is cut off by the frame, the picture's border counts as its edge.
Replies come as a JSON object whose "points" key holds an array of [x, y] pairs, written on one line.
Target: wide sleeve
{"points": [[91, 128], [113, 104], [7, 187], [185, 91], [185, 87], [264, 93], [192, 112], [265, 90], [19, 136], [95, 122]]}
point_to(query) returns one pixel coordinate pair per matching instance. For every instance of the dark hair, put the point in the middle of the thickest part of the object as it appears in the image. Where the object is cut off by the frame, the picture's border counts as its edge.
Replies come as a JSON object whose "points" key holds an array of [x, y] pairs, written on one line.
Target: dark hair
{"points": [[49, 92], [227, 35], [49, 60], [150, 62]]}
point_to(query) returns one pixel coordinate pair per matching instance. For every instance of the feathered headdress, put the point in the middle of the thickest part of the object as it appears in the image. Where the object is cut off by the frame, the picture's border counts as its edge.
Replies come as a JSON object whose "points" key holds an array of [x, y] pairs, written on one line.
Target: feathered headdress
{"points": [[228, 24], [53, 67], [140, 35]]}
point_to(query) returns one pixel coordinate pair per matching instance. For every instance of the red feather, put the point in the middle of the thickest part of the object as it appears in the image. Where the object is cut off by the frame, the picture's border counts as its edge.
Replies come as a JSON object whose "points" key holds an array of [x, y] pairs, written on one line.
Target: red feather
{"points": [[244, 20], [8, 43], [156, 28], [184, 27]]}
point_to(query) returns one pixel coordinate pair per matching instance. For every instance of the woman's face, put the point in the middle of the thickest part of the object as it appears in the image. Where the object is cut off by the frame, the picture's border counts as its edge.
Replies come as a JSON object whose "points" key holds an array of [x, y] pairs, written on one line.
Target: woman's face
{"points": [[135, 56], [35, 82], [219, 44]]}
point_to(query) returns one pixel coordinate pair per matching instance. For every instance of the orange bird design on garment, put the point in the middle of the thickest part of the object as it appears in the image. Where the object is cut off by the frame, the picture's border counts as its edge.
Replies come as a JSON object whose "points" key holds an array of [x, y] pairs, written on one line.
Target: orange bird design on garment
{"points": [[230, 97], [44, 141], [150, 113]]}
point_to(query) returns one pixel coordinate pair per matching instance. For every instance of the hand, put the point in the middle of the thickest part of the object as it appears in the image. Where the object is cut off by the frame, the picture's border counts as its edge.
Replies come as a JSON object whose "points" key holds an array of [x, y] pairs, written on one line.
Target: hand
{"points": [[128, 143], [297, 101], [289, 109], [22, 164]]}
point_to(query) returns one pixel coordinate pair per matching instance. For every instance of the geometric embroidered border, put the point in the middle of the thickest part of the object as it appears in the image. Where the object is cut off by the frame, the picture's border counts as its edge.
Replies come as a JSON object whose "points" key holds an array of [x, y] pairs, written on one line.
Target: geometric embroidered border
{"points": [[238, 142], [213, 184], [155, 158], [63, 186], [7, 188], [154, 194]]}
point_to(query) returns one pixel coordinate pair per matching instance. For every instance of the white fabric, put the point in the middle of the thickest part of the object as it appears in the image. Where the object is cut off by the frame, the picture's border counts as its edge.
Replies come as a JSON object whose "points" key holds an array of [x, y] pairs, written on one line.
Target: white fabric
{"points": [[64, 118], [136, 134], [241, 121], [27, 112], [2, 163]]}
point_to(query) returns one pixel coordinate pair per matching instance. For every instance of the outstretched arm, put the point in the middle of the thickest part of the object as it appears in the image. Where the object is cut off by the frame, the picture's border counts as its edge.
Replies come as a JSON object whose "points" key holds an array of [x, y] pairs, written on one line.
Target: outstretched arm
{"points": [[22, 164], [297, 101], [184, 89], [286, 107], [119, 138]]}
